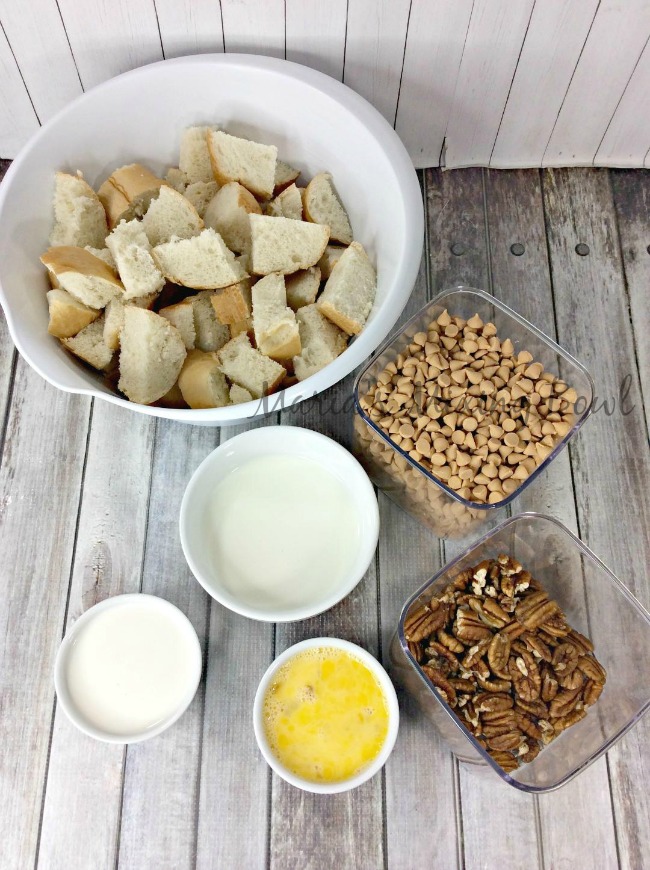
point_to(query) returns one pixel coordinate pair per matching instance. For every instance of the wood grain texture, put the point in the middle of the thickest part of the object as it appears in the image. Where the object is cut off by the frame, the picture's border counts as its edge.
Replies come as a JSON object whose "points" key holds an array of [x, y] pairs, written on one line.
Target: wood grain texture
{"points": [[421, 770], [110, 38], [189, 27], [254, 28], [19, 119], [316, 34], [632, 202], [627, 139], [457, 216], [40, 481], [107, 561], [162, 777], [350, 825], [515, 213], [615, 42], [555, 37], [39, 42], [494, 39], [434, 48], [610, 455], [374, 51], [234, 780]]}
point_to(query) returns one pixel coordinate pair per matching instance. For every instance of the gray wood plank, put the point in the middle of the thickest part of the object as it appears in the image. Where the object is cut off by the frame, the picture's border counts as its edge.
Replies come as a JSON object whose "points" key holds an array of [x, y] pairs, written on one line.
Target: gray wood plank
{"points": [[632, 203], [40, 479], [515, 214], [610, 455], [85, 776], [458, 242], [349, 828], [161, 777], [421, 771], [233, 800]]}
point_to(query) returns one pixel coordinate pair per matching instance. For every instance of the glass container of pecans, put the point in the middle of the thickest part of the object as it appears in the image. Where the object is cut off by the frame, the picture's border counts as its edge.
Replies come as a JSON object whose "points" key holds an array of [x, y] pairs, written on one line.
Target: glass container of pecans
{"points": [[464, 408], [527, 653]]}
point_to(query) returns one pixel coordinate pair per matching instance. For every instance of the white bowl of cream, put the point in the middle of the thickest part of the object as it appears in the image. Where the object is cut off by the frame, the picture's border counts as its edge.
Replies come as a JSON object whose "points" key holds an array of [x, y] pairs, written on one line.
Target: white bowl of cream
{"points": [[128, 668], [279, 523]]}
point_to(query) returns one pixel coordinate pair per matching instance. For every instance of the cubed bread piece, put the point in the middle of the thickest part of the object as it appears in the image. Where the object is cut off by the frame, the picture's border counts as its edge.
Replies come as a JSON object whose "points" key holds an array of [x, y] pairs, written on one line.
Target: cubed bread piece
{"points": [[202, 382], [228, 212], [350, 290], [177, 179], [284, 176], [170, 214], [250, 369], [302, 287], [79, 216], [283, 245], [210, 334], [103, 254], [173, 399], [232, 304], [323, 206], [202, 262], [240, 326], [89, 345], [200, 194], [239, 394], [276, 330], [83, 275], [114, 317], [329, 259], [287, 204], [321, 340], [151, 355], [181, 316], [68, 316], [250, 163], [129, 245], [194, 158], [127, 193]]}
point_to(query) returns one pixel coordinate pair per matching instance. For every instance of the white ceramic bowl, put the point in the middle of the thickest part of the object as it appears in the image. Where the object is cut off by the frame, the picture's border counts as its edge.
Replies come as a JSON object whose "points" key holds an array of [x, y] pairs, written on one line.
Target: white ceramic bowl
{"points": [[391, 700], [294, 441], [64, 695], [317, 124]]}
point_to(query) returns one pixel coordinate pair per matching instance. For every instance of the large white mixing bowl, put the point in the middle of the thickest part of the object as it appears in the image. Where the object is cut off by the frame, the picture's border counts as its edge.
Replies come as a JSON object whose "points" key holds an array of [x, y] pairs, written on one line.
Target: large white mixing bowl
{"points": [[317, 124]]}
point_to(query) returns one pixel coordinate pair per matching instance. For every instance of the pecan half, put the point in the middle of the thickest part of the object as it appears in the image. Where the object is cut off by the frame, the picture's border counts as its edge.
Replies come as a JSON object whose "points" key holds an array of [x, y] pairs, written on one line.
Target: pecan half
{"points": [[565, 659], [580, 641], [573, 680], [498, 654], [509, 740], [449, 641], [550, 687], [537, 646], [527, 724], [493, 685], [535, 708], [474, 653], [525, 676], [591, 692], [442, 684], [465, 687], [564, 702], [535, 609], [513, 630], [592, 669], [533, 751], [556, 626], [564, 722], [416, 650], [425, 620], [505, 760], [492, 701], [437, 651], [468, 626]]}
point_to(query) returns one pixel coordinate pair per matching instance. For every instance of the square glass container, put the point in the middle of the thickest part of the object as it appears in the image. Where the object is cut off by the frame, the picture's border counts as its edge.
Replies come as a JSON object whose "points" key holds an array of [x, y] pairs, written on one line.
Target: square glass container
{"points": [[406, 481], [595, 603]]}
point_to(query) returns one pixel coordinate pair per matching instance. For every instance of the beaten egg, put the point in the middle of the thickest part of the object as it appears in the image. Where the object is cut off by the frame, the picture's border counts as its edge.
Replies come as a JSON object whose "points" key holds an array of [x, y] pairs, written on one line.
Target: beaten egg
{"points": [[325, 715]]}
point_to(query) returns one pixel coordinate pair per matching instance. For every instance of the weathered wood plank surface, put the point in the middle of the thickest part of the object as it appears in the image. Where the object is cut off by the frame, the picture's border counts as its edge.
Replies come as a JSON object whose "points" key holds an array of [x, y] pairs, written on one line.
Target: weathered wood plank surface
{"points": [[89, 507]]}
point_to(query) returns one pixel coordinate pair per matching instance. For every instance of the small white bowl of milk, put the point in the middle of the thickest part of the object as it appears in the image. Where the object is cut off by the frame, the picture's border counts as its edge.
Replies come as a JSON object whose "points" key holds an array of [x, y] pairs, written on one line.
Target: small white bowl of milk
{"points": [[279, 523], [128, 668]]}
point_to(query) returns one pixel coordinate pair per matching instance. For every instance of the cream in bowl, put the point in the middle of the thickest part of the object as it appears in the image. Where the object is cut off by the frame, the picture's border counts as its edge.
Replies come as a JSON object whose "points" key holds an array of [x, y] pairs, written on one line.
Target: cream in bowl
{"points": [[326, 715], [128, 668], [279, 523]]}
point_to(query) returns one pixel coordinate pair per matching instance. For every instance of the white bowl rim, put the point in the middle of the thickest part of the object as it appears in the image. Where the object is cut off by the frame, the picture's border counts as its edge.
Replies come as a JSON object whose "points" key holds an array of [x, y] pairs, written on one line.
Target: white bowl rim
{"points": [[378, 670], [360, 484], [374, 332], [60, 664]]}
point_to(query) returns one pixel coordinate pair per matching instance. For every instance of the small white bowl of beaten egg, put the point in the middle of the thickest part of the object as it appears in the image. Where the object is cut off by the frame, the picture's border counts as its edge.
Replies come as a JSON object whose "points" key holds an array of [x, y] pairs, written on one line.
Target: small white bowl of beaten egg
{"points": [[326, 715]]}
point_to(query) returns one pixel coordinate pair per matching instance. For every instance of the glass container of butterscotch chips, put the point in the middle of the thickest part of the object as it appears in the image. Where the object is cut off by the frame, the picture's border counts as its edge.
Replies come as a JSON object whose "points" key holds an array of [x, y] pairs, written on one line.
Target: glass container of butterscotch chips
{"points": [[464, 408]]}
